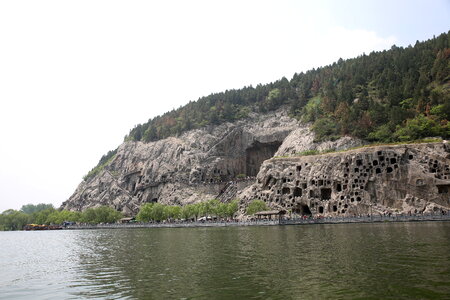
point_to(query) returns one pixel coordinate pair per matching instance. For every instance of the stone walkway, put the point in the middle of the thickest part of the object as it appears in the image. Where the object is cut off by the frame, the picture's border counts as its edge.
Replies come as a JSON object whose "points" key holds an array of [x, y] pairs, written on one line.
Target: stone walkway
{"points": [[299, 221]]}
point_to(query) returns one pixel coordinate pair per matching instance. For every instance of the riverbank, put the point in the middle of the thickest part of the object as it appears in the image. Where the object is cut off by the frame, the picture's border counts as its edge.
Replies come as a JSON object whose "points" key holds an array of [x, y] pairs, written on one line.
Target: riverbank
{"points": [[295, 221]]}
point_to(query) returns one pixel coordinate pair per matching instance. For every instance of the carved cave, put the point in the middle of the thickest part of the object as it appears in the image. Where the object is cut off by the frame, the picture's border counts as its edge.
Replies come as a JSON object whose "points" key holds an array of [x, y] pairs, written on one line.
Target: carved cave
{"points": [[257, 153]]}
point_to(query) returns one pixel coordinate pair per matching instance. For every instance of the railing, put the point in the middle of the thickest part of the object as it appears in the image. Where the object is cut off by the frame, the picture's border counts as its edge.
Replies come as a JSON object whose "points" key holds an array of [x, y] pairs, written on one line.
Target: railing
{"points": [[285, 221], [174, 224], [368, 219]]}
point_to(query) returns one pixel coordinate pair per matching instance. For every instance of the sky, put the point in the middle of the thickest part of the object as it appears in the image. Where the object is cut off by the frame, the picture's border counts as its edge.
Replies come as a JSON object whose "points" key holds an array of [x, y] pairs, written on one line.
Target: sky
{"points": [[76, 76]]}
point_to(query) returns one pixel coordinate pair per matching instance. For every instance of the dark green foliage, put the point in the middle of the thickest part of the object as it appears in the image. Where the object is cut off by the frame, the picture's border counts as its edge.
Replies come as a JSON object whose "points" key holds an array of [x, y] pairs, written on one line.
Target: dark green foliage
{"points": [[356, 96], [102, 214], [420, 127], [383, 134], [106, 158], [256, 206], [325, 129], [40, 217], [60, 216], [104, 161], [13, 220], [368, 97], [31, 208], [46, 214], [159, 212]]}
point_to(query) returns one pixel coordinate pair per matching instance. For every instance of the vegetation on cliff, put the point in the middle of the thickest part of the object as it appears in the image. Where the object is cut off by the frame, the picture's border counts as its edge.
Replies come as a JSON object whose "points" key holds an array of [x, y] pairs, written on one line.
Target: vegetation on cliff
{"points": [[104, 161], [400, 94], [372, 97]]}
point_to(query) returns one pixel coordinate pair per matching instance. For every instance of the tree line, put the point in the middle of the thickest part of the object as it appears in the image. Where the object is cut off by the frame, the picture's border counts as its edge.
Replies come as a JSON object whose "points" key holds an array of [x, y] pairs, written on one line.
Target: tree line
{"points": [[401, 94], [159, 212], [150, 212], [357, 96], [46, 214]]}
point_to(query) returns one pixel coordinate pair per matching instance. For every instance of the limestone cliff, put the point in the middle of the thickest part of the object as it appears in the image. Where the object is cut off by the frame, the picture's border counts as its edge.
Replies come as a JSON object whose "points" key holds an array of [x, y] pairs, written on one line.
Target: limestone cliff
{"points": [[257, 158], [213, 162], [385, 179]]}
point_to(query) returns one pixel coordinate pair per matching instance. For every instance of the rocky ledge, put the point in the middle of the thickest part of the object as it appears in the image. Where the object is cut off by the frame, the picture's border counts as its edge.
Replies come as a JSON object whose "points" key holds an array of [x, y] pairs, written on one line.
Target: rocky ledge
{"points": [[413, 178]]}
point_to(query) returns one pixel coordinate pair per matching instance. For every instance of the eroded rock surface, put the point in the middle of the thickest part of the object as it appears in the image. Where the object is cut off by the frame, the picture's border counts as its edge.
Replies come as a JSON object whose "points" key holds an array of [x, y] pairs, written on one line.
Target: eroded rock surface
{"points": [[302, 139], [387, 179], [223, 161], [196, 166]]}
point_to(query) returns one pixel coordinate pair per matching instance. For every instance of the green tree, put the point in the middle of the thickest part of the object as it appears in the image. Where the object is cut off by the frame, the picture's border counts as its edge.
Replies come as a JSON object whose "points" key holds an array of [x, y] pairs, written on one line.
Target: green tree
{"points": [[354, 96], [101, 214], [172, 212], [382, 134], [256, 206], [158, 212], [419, 127], [13, 220], [59, 217], [232, 208], [221, 210], [31, 208], [40, 217], [325, 128], [145, 213], [186, 212]]}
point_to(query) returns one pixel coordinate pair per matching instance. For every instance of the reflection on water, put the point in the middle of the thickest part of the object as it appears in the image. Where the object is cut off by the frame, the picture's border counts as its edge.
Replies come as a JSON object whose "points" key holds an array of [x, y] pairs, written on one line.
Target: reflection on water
{"points": [[409, 260]]}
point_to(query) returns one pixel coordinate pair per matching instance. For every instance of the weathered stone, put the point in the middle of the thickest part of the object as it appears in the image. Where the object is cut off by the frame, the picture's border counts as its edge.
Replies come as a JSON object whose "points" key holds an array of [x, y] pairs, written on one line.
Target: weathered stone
{"points": [[302, 139], [385, 179], [194, 167], [222, 162]]}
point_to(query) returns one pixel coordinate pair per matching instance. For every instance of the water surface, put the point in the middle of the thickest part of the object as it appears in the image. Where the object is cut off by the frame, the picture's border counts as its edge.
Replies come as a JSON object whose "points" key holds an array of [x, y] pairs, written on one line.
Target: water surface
{"points": [[351, 261]]}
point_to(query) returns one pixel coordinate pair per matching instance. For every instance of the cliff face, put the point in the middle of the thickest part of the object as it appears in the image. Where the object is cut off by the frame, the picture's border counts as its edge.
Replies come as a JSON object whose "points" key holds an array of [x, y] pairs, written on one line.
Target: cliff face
{"points": [[254, 159], [215, 162], [405, 178]]}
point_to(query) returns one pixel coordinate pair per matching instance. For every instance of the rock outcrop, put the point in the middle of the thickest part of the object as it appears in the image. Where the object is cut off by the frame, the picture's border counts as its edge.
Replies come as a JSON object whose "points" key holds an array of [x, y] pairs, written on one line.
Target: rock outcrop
{"points": [[195, 166], [302, 139], [257, 158], [384, 179]]}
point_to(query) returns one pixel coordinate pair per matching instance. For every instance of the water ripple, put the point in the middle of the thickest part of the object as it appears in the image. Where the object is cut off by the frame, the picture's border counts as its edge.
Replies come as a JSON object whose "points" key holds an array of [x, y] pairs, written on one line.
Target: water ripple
{"points": [[351, 261]]}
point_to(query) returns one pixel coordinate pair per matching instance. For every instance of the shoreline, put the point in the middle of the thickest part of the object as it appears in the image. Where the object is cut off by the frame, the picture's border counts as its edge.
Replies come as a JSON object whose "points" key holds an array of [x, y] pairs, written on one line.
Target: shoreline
{"points": [[282, 222]]}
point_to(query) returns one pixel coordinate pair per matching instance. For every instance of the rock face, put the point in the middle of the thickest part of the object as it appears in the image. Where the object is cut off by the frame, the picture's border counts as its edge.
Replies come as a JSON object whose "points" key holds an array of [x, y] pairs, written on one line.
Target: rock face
{"points": [[302, 139], [224, 162], [194, 167], [386, 179]]}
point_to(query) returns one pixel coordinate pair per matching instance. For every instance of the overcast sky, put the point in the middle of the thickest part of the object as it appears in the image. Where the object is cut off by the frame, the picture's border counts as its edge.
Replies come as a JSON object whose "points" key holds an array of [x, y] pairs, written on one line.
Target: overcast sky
{"points": [[76, 76]]}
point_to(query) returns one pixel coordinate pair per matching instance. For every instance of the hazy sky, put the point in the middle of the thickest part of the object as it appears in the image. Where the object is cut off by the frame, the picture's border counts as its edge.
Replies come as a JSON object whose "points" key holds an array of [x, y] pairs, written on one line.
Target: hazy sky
{"points": [[76, 76]]}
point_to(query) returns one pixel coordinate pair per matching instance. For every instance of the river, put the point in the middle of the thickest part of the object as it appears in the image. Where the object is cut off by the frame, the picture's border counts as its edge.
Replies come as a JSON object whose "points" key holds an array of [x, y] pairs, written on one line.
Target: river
{"points": [[340, 261]]}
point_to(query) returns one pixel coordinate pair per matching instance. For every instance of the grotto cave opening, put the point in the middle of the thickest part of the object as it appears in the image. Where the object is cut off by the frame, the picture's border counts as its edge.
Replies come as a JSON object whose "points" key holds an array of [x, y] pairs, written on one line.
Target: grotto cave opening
{"points": [[257, 153], [302, 209]]}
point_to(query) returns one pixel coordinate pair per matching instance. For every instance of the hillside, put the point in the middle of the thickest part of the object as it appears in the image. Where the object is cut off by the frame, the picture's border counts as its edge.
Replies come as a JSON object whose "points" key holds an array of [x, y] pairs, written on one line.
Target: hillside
{"points": [[390, 88], [199, 165], [214, 148], [400, 94]]}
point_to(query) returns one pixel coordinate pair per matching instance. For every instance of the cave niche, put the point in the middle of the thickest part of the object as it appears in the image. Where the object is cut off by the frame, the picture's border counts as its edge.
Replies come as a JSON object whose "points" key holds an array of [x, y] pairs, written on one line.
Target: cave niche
{"points": [[325, 194], [257, 153], [302, 209]]}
